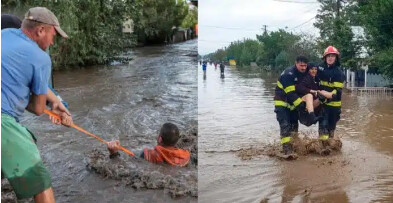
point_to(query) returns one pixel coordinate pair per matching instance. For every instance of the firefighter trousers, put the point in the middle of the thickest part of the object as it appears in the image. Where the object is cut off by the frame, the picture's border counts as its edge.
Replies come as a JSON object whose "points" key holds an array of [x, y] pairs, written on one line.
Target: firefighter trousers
{"points": [[328, 121], [288, 121]]}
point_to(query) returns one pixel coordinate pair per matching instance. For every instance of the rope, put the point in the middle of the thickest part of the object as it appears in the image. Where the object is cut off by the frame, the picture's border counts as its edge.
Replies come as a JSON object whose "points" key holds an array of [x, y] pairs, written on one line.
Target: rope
{"points": [[87, 132]]}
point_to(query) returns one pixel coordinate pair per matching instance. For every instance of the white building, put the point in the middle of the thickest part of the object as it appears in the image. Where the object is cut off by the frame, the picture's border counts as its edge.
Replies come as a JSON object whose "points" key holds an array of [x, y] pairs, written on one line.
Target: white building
{"points": [[128, 26]]}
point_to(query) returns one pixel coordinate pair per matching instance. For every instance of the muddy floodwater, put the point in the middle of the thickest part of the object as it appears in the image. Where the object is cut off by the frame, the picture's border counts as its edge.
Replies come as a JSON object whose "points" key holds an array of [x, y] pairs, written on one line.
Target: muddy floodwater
{"points": [[127, 102], [236, 117]]}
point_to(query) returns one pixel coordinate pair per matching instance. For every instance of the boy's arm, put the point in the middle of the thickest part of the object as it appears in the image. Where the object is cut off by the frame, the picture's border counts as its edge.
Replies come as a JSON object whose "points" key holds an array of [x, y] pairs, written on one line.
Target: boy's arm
{"points": [[113, 148], [288, 85]]}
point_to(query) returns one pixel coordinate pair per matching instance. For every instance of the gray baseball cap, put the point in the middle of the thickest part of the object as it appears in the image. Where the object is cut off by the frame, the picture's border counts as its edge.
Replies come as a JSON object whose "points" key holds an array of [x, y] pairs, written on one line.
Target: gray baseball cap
{"points": [[44, 15]]}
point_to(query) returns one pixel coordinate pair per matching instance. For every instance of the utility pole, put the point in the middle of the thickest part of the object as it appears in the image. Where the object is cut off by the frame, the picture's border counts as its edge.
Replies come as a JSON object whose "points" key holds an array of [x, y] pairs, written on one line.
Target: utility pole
{"points": [[338, 8], [264, 27]]}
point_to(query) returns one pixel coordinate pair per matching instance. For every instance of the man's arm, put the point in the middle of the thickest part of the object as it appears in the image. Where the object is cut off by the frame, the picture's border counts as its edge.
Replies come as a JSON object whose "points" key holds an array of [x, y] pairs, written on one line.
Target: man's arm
{"points": [[52, 98], [339, 85], [337, 88], [326, 94], [37, 104], [288, 86], [59, 108]]}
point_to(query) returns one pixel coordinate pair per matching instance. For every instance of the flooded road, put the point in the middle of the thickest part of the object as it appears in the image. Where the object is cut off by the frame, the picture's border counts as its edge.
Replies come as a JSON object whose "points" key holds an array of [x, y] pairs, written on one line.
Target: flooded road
{"points": [[237, 113], [127, 102]]}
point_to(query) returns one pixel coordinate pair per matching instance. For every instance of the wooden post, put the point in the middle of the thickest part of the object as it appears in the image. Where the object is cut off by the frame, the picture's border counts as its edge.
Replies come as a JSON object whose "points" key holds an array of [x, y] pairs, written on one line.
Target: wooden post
{"points": [[348, 77], [365, 75]]}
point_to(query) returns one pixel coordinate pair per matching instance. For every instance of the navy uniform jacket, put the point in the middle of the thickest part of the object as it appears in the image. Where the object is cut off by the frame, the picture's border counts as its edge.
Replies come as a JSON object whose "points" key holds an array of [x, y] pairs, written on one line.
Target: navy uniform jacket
{"points": [[332, 80], [285, 93]]}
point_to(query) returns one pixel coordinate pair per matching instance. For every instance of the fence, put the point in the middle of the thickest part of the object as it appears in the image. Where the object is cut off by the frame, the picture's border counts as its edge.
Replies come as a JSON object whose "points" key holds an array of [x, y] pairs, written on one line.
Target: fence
{"points": [[371, 90]]}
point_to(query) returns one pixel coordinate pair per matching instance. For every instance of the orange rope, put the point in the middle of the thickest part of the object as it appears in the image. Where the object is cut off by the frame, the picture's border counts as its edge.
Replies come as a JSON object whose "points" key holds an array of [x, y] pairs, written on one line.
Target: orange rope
{"points": [[87, 132]]}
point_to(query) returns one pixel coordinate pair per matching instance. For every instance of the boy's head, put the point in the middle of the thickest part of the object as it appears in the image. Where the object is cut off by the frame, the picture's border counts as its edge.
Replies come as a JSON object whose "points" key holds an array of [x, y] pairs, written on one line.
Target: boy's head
{"points": [[169, 134], [312, 69]]}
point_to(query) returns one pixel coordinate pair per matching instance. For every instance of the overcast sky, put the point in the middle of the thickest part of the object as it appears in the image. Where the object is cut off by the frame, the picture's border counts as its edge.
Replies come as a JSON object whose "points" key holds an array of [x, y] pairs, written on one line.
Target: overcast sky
{"points": [[223, 21]]}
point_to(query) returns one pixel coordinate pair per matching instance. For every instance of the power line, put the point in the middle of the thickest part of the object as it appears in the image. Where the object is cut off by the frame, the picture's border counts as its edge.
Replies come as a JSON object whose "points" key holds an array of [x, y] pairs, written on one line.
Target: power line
{"points": [[234, 28], [265, 28], [311, 8], [302, 23], [215, 41], [298, 2]]}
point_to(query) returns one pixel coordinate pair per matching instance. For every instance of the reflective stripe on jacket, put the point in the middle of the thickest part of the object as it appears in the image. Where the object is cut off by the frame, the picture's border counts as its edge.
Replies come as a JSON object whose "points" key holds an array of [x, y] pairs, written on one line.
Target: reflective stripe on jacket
{"points": [[285, 93]]}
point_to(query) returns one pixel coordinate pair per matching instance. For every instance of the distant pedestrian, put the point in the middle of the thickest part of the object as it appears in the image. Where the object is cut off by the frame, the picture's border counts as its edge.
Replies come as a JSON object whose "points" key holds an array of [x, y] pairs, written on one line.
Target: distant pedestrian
{"points": [[222, 69], [204, 65]]}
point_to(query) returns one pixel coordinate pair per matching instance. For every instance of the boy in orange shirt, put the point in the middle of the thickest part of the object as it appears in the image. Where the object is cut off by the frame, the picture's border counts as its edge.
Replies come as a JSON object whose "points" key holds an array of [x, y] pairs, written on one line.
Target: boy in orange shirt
{"points": [[164, 151]]}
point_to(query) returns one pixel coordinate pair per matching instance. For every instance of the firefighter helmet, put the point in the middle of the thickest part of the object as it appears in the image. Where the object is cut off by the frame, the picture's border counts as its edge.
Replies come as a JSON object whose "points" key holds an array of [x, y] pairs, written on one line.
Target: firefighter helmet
{"points": [[331, 50]]}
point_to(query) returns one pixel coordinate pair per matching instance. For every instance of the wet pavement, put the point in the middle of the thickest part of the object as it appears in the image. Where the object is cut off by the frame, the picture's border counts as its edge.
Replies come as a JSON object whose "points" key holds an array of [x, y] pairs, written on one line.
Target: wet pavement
{"points": [[236, 113], [127, 102]]}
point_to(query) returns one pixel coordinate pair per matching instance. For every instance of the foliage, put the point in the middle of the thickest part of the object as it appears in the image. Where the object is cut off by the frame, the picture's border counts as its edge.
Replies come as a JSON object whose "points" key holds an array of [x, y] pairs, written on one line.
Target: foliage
{"points": [[275, 43], [94, 27], [276, 50], [377, 18], [157, 18], [334, 21], [191, 19], [244, 52]]}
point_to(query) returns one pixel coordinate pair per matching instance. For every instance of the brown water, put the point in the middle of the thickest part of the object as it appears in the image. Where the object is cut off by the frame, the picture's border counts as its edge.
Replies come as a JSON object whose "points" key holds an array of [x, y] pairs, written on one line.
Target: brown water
{"points": [[237, 113], [126, 102]]}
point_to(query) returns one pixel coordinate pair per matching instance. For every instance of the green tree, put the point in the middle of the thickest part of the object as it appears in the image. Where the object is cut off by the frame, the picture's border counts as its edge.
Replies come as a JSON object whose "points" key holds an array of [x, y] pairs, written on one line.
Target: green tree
{"points": [[377, 18], [157, 18], [333, 21], [276, 42], [219, 55], [191, 19], [282, 60], [307, 46], [93, 27], [250, 51]]}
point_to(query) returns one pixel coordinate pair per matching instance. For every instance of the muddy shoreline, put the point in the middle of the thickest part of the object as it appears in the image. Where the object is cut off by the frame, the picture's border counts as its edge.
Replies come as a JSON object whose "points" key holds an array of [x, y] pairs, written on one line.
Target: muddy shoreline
{"points": [[139, 174], [303, 146]]}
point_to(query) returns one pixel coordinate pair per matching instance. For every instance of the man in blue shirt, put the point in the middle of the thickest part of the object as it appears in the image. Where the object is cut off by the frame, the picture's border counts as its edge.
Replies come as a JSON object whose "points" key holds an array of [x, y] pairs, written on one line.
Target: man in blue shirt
{"points": [[12, 21], [24, 85]]}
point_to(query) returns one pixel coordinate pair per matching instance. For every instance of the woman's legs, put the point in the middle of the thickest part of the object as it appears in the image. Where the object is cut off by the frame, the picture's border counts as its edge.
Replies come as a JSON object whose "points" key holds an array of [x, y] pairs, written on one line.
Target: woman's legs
{"points": [[307, 117], [316, 103], [308, 98]]}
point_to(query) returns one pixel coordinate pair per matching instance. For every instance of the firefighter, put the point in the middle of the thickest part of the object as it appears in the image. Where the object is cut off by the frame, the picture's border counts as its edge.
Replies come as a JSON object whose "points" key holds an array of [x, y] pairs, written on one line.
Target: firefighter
{"points": [[331, 80], [287, 102]]}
